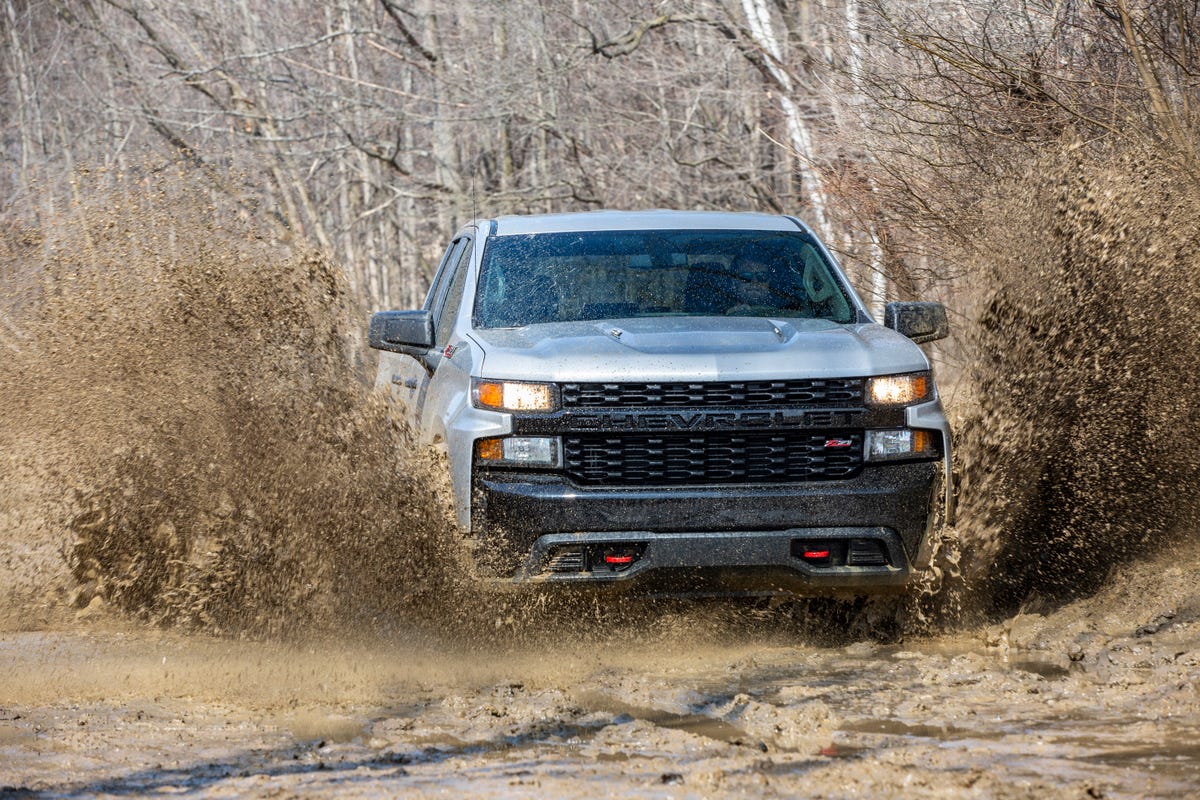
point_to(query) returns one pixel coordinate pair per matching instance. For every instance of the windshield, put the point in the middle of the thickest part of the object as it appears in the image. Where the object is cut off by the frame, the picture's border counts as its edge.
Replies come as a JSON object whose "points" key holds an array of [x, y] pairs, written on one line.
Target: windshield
{"points": [[563, 277]]}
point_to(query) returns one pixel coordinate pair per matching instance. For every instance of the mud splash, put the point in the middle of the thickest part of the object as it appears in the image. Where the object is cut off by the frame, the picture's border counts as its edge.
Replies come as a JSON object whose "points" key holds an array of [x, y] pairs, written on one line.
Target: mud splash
{"points": [[192, 441], [186, 397], [1081, 453], [187, 400]]}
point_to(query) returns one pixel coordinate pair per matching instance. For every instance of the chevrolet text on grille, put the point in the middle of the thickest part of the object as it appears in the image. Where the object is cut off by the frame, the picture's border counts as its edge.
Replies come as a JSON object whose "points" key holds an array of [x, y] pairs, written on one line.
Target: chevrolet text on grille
{"points": [[684, 421]]}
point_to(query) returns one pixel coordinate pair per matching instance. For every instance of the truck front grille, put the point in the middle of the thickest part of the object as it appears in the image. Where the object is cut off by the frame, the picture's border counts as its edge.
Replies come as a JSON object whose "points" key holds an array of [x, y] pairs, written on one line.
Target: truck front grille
{"points": [[708, 458], [804, 393]]}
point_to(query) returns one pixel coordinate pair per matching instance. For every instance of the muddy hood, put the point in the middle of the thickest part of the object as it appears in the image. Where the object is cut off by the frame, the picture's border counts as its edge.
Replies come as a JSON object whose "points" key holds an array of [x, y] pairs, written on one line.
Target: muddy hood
{"points": [[694, 348]]}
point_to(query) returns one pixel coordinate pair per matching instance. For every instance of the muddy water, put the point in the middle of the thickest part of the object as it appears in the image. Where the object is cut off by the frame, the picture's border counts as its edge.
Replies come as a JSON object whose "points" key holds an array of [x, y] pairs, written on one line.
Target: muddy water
{"points": [[1078, 704], [1100, 698], [188, 431]]}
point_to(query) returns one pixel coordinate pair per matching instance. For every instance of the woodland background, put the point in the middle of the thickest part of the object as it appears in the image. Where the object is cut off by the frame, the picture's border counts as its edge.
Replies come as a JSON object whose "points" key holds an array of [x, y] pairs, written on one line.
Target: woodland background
{"points": [[374, 127]]}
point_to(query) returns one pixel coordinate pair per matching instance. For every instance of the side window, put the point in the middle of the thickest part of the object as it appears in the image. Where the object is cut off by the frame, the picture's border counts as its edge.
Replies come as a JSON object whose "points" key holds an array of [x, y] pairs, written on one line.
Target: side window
{"points": [[449, 310], [438, 287]]}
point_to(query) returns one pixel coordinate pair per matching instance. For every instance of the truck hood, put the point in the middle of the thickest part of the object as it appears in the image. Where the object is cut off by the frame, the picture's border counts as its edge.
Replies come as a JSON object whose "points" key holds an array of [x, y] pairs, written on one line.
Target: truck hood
{"points": [[694, 348]]}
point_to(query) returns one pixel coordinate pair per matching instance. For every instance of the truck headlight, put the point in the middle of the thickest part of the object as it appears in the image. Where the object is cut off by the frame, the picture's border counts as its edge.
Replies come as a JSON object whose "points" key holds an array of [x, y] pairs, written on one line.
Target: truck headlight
{"points": [[523, 451], [899, 390], [899, 444], [515, 395]]}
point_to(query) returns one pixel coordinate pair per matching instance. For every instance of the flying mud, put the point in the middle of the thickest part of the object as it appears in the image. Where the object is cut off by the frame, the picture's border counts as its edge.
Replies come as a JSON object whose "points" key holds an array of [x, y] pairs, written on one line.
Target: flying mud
{"points": [[187, 405], [227, 570], [1081, 452]]}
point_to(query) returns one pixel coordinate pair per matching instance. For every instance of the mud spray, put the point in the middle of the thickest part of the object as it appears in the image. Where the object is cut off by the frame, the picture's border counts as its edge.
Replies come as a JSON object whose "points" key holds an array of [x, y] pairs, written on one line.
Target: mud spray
{"points": [[184, 396], [1080, 451], [190, 437]]}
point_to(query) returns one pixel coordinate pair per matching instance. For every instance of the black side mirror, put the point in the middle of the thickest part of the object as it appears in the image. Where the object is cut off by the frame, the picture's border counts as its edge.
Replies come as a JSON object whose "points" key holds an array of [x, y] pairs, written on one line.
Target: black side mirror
{"points": [[401, 331], [921, 322]]}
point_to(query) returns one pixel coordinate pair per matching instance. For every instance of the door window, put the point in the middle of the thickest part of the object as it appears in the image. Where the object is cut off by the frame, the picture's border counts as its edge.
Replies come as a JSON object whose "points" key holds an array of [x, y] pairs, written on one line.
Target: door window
{"points": [[446, 315], [438, 288]]}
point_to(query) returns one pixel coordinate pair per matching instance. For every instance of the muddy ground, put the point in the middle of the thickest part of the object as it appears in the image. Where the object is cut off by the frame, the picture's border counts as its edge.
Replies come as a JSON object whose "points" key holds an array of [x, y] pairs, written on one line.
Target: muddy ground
{"points": [[1100, 698]]}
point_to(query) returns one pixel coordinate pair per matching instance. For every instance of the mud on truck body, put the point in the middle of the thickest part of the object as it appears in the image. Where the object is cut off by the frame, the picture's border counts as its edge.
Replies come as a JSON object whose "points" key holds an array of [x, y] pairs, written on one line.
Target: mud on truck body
{"points": [[687, 402]]}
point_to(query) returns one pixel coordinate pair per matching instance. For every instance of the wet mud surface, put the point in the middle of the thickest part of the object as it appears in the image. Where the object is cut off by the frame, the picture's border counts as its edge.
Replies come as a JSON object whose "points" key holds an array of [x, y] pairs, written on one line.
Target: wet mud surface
{"points": [[1100, 698]]}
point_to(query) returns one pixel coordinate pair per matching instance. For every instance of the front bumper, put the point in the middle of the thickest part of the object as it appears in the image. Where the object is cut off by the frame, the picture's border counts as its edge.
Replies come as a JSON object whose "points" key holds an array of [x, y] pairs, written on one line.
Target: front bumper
{"points": [[732, 537]]}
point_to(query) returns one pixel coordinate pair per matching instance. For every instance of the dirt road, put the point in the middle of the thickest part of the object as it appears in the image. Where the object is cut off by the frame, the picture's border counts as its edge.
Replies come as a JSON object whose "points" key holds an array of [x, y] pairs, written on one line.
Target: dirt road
{"points": [[1098, 699]]}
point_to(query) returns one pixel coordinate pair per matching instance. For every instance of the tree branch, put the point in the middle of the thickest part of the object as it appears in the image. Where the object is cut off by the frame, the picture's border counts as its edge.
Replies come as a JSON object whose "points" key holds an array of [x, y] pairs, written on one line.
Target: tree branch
{"points": [[393, 11], [629, 41]]}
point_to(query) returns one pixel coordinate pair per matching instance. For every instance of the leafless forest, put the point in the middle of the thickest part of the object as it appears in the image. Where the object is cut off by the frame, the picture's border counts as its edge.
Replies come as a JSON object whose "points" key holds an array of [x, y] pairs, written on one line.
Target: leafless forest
{"points": [[373, 127]]}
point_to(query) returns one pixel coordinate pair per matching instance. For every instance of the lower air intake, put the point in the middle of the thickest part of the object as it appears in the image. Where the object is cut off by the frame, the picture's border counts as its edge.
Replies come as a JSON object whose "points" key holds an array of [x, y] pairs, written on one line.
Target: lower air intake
{"points": [[567, 559]]}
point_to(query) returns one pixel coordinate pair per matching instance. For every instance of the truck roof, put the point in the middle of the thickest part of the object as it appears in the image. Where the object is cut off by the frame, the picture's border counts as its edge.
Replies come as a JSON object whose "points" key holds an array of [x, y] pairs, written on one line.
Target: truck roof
{"points": [[658, 219]]}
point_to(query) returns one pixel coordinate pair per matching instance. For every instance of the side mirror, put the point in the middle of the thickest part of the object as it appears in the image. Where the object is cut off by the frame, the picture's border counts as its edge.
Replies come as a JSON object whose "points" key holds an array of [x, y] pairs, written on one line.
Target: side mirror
{"points": [[921, 322], [401, 331]]}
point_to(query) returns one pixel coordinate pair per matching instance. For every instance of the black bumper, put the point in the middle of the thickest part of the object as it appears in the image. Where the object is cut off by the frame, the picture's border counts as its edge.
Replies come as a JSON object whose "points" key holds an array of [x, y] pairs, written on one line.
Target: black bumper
{"points": [[733, 538]]}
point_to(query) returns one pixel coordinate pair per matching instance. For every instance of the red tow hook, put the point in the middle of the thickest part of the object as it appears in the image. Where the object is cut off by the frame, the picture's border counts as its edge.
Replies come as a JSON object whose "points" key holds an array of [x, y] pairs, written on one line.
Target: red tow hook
{"points": [[619, 559]]}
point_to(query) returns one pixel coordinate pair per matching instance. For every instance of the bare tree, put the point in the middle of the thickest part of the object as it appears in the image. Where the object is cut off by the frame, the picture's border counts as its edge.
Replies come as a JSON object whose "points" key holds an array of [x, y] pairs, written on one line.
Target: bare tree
{"points": [[375, 126]]}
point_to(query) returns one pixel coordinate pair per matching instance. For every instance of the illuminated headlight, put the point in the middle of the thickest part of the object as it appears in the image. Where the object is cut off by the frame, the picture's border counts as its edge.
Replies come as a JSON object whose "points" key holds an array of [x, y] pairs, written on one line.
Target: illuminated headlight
{"points": [[515, 396], [899, 390], [524, 451], [895, 445]]}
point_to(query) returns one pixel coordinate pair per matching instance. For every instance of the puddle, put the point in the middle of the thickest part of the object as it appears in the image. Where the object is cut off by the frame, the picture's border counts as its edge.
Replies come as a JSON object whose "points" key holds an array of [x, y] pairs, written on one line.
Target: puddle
{"points": [[895, 727], [12, 735], [311, 727], [1177, 757], [944, 711], [1048, 669], [697, 724]]}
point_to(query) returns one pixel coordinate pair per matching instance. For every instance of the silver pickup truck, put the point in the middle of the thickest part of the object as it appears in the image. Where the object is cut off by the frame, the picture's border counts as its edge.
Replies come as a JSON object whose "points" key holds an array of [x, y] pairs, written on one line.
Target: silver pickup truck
{"points": [[689, 402]]}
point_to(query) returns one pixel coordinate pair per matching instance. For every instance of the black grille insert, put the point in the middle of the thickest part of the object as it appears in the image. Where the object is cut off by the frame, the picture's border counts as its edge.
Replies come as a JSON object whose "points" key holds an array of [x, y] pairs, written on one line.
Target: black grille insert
{"points": [[698, 458], [808, 392]]}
